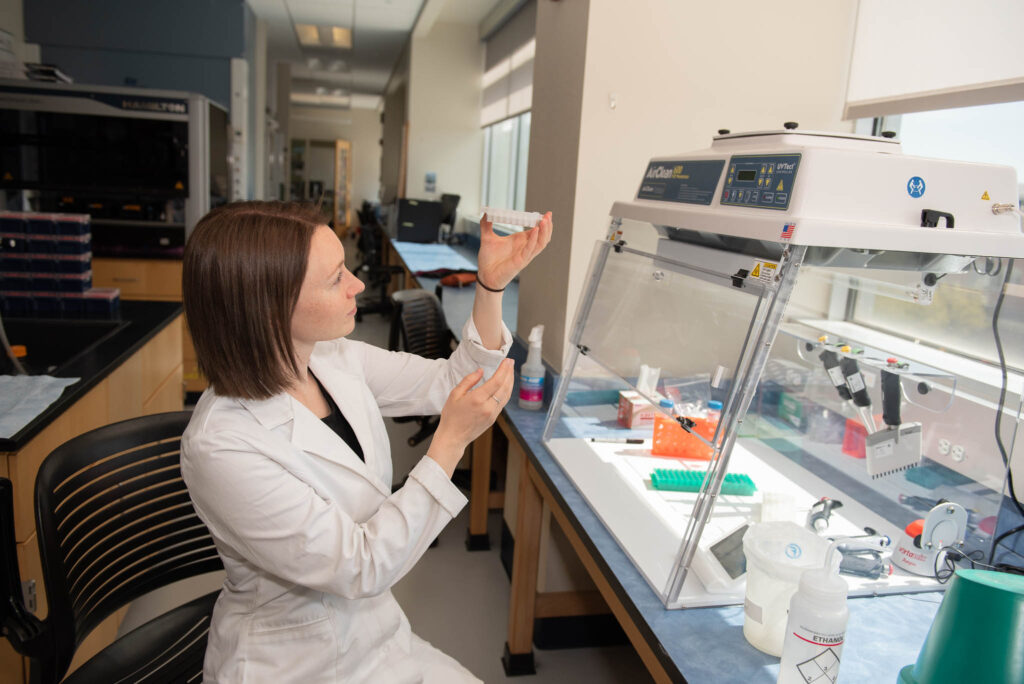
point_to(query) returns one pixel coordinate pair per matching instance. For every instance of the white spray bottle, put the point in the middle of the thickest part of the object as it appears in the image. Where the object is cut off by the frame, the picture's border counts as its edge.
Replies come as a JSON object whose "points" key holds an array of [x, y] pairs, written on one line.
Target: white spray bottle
{"points": [[816, 628], [531, 375]]}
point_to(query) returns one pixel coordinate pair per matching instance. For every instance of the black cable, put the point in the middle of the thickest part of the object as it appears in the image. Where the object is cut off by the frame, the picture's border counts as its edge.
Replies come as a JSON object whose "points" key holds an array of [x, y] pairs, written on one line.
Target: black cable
{"points": [[1008, 533], [999, 409]]}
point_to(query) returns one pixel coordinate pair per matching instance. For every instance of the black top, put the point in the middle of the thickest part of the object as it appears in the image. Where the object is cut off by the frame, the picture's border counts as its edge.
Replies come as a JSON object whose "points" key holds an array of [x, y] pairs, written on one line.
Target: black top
{"points": [[336, 421]]}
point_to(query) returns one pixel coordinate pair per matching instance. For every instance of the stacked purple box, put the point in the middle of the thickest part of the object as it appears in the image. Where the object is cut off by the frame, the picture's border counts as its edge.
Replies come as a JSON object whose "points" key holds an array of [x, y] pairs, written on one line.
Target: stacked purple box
{"points": [[46, 267]]}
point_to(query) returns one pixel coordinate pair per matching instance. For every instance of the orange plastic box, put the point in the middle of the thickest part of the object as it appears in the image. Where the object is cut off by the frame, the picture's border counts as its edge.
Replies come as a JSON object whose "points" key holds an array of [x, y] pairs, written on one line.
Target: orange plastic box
{"points": [[670, 439]]}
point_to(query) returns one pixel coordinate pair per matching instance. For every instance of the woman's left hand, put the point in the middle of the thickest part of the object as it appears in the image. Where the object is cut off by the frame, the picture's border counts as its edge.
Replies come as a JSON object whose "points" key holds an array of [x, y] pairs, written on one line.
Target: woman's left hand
{"points": [[502, 258]]}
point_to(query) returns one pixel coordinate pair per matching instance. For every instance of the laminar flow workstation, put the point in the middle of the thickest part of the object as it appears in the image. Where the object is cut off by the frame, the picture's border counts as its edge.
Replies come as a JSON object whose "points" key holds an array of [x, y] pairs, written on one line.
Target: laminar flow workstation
{"points": [[805, 354]]}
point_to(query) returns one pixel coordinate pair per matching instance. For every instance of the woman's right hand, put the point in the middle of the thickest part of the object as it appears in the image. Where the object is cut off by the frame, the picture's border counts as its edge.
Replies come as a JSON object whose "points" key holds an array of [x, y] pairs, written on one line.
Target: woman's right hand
{"points": [[468, 412]]}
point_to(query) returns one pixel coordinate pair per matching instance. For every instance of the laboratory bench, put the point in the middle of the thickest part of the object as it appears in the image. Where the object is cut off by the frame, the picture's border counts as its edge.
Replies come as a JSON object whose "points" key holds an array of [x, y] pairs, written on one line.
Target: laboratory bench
{"points": [[151, 279], [696, 644], [134, 368]]}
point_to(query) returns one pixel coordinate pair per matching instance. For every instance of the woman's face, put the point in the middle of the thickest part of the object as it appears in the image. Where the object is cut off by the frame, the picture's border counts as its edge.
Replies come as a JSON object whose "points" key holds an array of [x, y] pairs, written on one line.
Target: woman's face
{"points": [[327, 301]]}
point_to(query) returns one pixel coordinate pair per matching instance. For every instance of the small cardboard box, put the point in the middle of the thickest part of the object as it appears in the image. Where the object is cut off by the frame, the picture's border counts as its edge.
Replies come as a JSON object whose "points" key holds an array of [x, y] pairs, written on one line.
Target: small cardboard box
{"points": [[635, 410]]}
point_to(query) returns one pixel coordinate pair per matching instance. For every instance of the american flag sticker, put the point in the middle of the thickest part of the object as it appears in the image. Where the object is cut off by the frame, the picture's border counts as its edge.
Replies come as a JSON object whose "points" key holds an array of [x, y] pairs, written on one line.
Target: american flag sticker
{"points": [[787, 231]]}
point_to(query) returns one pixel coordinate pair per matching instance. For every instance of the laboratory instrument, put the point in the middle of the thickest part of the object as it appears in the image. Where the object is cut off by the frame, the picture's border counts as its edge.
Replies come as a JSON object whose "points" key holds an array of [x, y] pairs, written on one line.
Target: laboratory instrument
{"points": [[898, 446], [820, 512], [923, 539], [144, 164], [720, 563], [780, 273]]}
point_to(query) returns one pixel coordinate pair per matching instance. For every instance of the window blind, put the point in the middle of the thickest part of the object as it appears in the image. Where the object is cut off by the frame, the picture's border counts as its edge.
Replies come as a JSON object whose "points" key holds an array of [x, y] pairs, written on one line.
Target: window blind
{"points": [[508, 67]]}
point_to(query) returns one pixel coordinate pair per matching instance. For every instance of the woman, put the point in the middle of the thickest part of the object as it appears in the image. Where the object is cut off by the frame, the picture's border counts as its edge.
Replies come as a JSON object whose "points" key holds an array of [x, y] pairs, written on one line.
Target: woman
{"points": [[287, 459]]}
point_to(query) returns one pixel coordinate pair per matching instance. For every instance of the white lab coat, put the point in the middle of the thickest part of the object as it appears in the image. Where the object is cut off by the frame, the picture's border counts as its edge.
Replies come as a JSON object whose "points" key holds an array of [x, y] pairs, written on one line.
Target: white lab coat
{"points": [[311, 536]]}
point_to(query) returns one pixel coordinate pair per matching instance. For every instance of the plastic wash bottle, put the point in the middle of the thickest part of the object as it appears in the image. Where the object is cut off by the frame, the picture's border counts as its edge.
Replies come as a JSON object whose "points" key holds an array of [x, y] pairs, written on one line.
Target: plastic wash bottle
{"points": [[531, 375], [816, 628]]}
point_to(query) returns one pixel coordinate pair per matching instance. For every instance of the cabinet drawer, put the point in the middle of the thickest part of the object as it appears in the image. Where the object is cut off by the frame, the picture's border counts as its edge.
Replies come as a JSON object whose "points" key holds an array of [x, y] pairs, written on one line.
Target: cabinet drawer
{"points": [[170, 396], [160, 357], [139, 278]]}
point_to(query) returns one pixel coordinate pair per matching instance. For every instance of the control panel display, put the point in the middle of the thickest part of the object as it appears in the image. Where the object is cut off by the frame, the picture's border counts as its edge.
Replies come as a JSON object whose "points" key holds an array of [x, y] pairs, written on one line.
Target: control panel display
{"points": [[687, 181], [761, 181]]}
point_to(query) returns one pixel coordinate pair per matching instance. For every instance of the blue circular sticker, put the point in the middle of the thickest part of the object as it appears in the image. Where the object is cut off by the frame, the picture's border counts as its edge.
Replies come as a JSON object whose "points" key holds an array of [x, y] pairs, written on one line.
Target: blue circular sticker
{"points": [[793, 551], [915, 186]]}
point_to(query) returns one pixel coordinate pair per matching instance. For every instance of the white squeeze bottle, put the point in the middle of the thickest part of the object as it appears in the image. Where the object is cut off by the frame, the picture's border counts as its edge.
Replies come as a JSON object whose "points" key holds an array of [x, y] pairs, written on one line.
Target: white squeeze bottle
{"points": [[816, 628], [531, 375]]}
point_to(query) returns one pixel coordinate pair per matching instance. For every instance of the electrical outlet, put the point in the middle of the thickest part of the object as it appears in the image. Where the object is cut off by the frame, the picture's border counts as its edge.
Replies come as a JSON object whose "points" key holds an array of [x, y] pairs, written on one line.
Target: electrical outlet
{"points": [[944, 446], [957, 452]]}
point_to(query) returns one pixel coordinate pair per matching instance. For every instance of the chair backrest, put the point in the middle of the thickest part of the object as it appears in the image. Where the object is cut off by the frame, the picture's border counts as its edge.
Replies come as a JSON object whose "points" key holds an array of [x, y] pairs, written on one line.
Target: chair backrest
{"points": [[114, 522], [421, 324], [449, 203]]}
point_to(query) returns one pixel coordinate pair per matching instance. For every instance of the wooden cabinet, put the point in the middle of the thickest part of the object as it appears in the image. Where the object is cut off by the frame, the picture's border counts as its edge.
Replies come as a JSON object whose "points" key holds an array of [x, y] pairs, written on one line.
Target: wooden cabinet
{"points": [[154, 280], [148, 382]]}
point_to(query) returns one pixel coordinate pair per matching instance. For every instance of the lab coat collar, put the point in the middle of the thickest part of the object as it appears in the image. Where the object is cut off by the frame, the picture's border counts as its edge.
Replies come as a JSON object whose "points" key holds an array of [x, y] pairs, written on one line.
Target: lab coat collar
{"points": [[310, 434]]}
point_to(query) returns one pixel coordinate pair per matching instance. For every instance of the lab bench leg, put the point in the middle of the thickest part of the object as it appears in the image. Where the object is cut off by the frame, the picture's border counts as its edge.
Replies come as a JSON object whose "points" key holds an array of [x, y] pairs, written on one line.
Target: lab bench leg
{"points": [[518, 656], [479, 493]]}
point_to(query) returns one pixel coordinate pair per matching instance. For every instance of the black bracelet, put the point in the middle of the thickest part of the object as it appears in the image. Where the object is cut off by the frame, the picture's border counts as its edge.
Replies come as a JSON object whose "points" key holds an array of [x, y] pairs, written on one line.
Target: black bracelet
{"points": [[489, 289]]}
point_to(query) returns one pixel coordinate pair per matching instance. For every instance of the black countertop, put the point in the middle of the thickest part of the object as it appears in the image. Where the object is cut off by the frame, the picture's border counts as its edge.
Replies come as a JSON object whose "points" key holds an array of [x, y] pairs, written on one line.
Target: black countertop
{"points": [[143, 321]]}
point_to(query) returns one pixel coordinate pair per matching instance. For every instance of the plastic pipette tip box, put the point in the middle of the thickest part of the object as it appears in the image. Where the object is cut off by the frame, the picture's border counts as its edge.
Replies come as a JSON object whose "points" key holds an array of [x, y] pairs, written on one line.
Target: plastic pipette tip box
{"points": [[676, 480], [527, 219]]}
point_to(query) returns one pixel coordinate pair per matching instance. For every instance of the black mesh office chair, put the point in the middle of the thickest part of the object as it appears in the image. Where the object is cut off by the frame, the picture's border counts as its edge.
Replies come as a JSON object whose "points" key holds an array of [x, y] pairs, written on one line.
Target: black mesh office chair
{"points": [[114, 522], [418, 327], [449, 203], [373, 271]]}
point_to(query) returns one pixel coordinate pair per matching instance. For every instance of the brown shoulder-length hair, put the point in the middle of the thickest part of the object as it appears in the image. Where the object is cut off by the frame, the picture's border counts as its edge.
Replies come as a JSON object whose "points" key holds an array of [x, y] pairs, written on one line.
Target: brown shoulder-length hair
{"points": [[243, 268]]}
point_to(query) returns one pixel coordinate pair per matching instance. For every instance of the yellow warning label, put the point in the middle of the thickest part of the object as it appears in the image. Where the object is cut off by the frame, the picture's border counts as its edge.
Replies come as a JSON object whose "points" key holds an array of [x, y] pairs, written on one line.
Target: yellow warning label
{"points": [[764, 271], [780, 187], [984, 195]]}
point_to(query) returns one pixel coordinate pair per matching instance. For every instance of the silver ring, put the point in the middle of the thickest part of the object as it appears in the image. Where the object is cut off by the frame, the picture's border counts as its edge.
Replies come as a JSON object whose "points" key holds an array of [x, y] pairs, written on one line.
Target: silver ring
{"points": [[496, 400]]}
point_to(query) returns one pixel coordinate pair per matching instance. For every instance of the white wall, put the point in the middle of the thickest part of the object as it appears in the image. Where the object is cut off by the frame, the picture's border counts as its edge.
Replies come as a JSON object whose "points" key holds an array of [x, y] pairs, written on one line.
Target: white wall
{"points": [[445, 69], [558, 71], [359, 126], [677, 72]]}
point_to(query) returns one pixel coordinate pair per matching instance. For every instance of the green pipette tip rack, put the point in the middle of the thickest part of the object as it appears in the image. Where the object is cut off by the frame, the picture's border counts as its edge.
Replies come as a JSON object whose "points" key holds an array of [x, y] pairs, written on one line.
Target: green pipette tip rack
{"points": [[676, 480]]}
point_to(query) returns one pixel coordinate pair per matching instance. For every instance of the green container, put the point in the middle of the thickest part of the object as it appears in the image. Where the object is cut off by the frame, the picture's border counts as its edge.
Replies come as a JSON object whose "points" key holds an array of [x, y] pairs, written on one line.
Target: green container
{"points": [[977, 635]]}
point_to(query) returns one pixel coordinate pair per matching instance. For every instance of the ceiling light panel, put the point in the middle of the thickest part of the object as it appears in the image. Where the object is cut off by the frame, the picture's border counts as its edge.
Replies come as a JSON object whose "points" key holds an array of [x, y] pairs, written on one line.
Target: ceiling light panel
{"points": [[309, 35], [340, 37]]}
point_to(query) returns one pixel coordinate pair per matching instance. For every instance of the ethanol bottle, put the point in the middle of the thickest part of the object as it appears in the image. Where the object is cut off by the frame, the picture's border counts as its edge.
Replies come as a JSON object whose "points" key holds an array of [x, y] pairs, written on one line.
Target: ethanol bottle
{"points": [[816, 628], [531, 375]]}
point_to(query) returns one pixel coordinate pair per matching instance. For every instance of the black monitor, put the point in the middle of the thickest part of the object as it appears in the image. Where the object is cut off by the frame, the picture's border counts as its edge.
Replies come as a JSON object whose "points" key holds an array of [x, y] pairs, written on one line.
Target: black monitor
{"points": [[418, 220]]}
